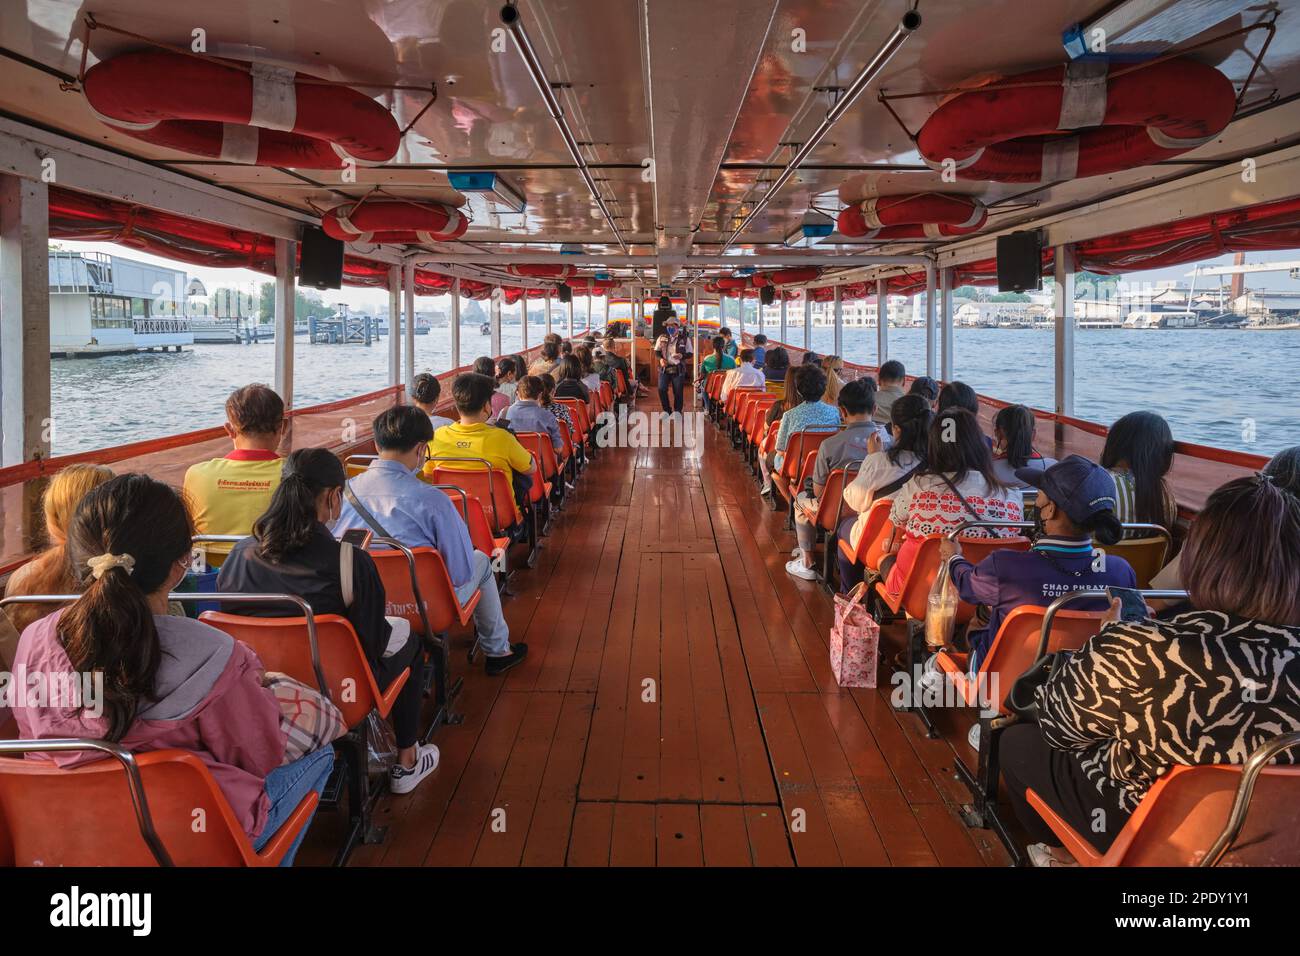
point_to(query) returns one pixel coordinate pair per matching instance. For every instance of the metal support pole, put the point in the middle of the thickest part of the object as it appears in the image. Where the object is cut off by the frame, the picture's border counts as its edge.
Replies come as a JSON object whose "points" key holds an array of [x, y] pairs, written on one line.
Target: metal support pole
{"points": [[455, 323], [548, 313], [588, 323], [286, 293], [570, 317], [1063, 308], [634, 306], [945, 328], [523, 317], [25, 320], [929, 319], [607, 295], [882, 322], [495, 312], [694, 308], [740, 311], [839, 323], [783, 319], [394, 313], [408, 287], [807, 320]]}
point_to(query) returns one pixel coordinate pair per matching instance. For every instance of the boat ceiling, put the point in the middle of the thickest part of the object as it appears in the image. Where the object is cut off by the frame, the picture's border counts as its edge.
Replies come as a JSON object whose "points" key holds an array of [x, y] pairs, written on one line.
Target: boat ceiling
{"points": [[713, 92]]}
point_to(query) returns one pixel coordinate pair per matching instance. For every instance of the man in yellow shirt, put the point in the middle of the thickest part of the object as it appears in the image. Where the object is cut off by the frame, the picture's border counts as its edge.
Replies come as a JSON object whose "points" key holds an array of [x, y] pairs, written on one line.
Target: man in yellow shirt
{"points": [[226, 495], [473, 437]]}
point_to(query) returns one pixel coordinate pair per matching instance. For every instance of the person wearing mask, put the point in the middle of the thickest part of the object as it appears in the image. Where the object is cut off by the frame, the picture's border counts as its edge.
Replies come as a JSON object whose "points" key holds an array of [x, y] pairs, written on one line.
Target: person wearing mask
{"points": [[1075, 511], [527, 414], [169, 683], [891, 377], [1206, 687], [487, 368], [473, 437], [672, 359], [397, 504], [856, 401], [425, 392], [226, 495], [729, 348], [760, 352], [1138, 453], [569, 382], [549, 358], [886, 468], [507, 376], [49, 572], [744, 375], [958, 485], [548, 402], [293, 552], [1013, 446]]}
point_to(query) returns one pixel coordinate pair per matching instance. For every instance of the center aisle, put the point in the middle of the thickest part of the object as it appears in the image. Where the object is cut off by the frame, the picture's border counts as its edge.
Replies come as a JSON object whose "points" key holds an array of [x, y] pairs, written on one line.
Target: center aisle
{"points": [[677, 705]]}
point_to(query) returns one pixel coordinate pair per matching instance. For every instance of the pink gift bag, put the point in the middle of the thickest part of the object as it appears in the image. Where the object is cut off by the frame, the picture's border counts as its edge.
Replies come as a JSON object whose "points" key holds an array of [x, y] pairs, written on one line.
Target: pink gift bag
{"points": [[855, 641]]}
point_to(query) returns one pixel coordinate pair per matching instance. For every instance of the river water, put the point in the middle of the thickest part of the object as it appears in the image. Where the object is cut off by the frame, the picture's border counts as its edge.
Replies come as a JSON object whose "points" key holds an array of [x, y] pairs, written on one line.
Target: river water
{"points": [[1232, 389]]}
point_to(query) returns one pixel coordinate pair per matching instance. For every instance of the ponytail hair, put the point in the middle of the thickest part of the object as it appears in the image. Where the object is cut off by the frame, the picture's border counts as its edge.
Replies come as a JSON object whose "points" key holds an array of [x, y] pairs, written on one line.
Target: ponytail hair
{"points": [[123, 544], [290, 519], [1104, 527]]}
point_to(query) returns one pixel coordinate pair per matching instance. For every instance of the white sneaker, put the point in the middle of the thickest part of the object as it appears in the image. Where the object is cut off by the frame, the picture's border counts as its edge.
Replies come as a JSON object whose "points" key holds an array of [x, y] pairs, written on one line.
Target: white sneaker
{"points": [[796, 567], [973, 738], [1040, 854], [931, 676], [405, 779]]}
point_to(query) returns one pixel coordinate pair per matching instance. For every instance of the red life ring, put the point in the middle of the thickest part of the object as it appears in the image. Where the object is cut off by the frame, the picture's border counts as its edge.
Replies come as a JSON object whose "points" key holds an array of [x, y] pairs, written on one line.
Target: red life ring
{"points": [[542, 271], [913, 216], [395, 221], [798, 274], [734, 283], [262, 116], [1073, 121]]}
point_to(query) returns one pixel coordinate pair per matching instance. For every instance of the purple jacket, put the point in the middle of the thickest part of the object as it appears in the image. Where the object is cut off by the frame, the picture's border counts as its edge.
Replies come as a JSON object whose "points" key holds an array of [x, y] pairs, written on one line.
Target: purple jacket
{"points": [[209, 701], [1006, 580]]}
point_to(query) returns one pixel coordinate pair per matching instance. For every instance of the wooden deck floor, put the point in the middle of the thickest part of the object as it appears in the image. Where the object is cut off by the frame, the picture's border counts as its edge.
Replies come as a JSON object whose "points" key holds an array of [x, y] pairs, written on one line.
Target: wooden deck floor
{"points": [[677, 707]]}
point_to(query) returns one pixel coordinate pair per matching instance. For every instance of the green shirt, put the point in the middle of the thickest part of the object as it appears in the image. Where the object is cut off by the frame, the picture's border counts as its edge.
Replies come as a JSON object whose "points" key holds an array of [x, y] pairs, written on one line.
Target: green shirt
{"points": [[710, 364]]}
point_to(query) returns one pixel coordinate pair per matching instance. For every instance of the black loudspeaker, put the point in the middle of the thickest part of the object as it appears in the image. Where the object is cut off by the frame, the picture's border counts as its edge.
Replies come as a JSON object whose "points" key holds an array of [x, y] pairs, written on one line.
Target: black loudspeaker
{"points": [[320, 260], [1020, 261], [565, 292], [665, 303], [767, 294], [660, 317]]}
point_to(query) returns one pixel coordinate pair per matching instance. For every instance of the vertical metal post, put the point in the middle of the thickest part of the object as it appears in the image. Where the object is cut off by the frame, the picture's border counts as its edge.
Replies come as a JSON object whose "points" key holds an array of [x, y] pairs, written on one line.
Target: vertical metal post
{"points": [[394, 315], [740, 311], [286, 294], [588, 323], [807, 320], [548, 313], [722, 312], [25, 319], [634, 307], [783, 319], [929, 319], [408, 287], [882, 322], [571, 316], [523, 317], [1063, 308], [607, 295], [839, 322], [693, 305], [945, 325], [455, 322], [498, 294]]}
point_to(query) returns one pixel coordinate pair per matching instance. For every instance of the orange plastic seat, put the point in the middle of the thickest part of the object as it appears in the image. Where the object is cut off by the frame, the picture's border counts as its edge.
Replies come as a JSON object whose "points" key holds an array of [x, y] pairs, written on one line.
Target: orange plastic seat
{"points": [[126, 810], [871, 543], [1204, 816], [475, 516], [913, 599], [492, 487], [799, 457], [355, 465], [1147, 554]]}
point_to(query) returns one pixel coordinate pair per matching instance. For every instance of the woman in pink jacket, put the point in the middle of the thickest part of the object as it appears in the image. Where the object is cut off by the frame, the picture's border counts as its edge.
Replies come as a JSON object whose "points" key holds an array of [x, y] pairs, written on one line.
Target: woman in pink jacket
{"points": [[168, 682]]}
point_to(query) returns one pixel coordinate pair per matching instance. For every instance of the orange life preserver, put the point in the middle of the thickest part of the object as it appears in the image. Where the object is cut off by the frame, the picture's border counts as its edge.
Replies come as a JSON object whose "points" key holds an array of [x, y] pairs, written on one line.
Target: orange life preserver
{"points": [[797, 274], [912, 216], [394, 220], [1076, 120], [255, 114]]}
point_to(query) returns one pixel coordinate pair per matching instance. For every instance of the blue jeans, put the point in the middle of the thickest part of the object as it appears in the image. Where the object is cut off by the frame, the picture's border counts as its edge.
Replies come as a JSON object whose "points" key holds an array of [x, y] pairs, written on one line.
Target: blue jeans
{"points": [[286, 786], [489, 622]]}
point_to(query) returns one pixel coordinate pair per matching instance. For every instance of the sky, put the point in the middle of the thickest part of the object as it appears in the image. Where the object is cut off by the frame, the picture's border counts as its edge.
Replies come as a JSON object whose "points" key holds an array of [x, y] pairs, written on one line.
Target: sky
{"points": [[370, 299]]}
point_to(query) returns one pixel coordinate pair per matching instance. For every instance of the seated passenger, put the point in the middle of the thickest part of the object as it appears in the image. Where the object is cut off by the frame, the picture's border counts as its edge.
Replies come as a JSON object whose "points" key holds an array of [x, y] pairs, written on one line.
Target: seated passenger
{"points": [[958, 395], [473, 437], [810, 414], [49, 571], [527, 414], [857, 401], [891, 377], [772, 419], [425, 393], [226, 495], [499, 400], [507, 377], [1138, 453], [885, 469], [1075, 506], [729, 348], [832, 365], [169, 682], [615, 361], [415, 513], [745, 375], [558, 409], [293, 552], [760, 352], [549, 358], [717, 360], [958, 485], [773, 366], [590, 377], [1206, 687], [1013, 445], [927, 388], [569, 382]]}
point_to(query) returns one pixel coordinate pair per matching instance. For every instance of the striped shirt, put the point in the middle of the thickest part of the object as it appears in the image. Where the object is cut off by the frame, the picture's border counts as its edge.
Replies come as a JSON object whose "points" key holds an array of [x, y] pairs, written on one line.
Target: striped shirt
{"points": [[1126, 509]]}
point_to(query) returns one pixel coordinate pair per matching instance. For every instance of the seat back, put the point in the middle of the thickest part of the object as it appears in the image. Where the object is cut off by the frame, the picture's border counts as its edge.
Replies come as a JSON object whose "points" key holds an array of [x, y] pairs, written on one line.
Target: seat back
{"points": [[830, 504], [543, 452], [734, 396], [920, 579], [713, 384], [93, 814], [1015, 646], [567, 434], [757, 424], [622, 381], [284, 644], [1146, 554], [581, 416], [799, 445], [871, 546], [472, 511], [743, 406], [491, 486], [606, 396], [417, 587]]}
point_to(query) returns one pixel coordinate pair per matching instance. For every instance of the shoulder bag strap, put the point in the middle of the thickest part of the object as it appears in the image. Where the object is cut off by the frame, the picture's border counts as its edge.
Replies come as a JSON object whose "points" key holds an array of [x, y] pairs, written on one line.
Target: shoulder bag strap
{"points": [[363, 512], [345, 571], [884, 491], [974, 514]]}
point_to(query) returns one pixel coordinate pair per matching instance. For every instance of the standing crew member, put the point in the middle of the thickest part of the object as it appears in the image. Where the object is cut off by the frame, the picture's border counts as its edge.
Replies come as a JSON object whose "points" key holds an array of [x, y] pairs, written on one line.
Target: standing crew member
{"points": [[672, 353]]}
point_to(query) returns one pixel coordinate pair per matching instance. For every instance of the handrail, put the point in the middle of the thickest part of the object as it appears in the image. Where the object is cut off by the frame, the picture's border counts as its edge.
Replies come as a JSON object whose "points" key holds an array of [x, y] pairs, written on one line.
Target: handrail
{"points": [[224, 598], [492, 492], [1254, 766], [134, 782], [1090, 593], [955, 533]]}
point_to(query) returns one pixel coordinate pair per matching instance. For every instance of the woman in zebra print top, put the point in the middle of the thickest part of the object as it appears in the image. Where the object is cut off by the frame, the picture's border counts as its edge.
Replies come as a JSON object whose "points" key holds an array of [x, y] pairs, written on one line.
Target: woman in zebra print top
{"points": [[1207, 687]]}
